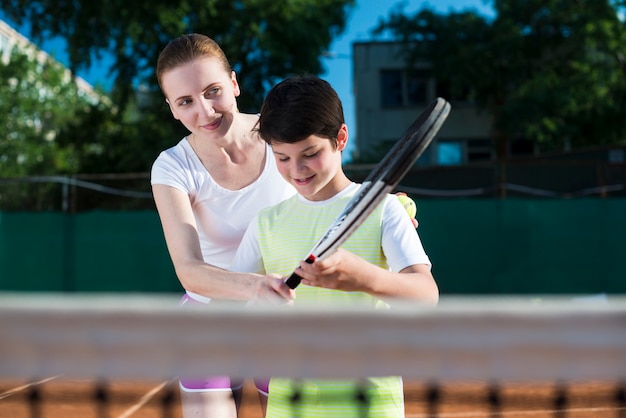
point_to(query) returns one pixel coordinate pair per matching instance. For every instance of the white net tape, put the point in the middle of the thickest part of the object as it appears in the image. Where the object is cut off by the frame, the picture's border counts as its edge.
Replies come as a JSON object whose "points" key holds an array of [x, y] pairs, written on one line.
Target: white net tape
{"points": [[135, 336]]}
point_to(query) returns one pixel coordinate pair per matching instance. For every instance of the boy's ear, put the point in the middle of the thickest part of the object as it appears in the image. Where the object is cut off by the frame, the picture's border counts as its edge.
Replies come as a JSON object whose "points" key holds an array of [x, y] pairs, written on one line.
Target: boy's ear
{"points": [[342, 137]]}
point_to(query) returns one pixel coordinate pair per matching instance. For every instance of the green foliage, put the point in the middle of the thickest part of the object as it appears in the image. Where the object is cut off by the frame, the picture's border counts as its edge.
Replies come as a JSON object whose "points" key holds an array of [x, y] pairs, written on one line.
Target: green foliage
{"points": [[38, 99], [265, 40], [48, 129], [552, 71], [109, 142]]}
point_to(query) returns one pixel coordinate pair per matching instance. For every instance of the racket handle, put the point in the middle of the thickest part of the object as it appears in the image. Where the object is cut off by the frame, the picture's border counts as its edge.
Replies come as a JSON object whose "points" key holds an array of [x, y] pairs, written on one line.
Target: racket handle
{"points": [[294, 280]]}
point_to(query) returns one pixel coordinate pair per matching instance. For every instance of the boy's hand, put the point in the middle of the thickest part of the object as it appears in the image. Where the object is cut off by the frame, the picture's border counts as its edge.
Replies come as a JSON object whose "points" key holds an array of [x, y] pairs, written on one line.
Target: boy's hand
{"points": [[342, 270]]}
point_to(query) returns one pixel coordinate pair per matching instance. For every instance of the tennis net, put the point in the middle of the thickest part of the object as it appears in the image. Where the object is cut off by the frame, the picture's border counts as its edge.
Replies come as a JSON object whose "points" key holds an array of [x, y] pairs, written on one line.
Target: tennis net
{"points": [[119, 355]]}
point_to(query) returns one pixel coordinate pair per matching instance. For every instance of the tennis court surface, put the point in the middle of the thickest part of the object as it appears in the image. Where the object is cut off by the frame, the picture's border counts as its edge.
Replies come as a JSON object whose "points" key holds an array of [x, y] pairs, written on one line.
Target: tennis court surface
{"points": [[110, 355]]}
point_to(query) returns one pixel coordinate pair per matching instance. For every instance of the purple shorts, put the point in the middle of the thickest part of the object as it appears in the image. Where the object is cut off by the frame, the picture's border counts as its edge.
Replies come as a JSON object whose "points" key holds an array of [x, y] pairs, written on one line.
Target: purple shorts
{"points": [[216, 383], [219, 383]]}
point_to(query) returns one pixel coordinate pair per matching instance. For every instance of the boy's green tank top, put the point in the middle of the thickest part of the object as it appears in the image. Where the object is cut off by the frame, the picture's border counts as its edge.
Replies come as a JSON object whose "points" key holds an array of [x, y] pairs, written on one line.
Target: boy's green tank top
{"points": [[286, 234]]}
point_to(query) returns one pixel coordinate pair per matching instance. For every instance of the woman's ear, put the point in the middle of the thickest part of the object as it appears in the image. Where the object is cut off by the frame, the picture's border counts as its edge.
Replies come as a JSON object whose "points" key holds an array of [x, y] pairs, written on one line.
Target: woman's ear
{"points": [[236, 88], [342, 137], [171, 109]]}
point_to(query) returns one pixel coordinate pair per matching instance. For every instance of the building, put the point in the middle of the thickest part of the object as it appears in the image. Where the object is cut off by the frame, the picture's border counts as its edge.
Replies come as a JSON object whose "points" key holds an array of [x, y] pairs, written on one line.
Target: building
{"points": [[10, 38], [462, 159], [389, 96]]}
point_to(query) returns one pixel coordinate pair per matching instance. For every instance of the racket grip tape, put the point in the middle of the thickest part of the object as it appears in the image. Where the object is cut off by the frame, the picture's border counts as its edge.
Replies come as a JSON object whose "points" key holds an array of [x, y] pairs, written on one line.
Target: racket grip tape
{"points": [[294, 280]]}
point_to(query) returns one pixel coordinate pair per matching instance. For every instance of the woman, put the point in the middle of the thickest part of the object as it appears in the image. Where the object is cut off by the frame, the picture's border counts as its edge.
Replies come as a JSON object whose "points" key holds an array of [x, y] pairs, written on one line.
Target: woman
{"points": [[207, 188]]}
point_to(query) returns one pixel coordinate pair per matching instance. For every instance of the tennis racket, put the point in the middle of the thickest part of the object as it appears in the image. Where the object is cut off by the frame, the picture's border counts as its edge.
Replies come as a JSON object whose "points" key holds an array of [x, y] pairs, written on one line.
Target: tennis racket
{"points": [[381, 181]]}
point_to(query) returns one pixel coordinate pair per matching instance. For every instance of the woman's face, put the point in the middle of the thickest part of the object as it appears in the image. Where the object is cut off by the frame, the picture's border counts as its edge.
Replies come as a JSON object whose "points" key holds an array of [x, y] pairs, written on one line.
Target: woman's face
{"points": [[202, 95]]}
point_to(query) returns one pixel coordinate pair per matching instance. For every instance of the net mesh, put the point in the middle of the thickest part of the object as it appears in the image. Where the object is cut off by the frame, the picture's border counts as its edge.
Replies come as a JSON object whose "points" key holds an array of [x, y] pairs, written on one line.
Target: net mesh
{"points": [[120, 355]]}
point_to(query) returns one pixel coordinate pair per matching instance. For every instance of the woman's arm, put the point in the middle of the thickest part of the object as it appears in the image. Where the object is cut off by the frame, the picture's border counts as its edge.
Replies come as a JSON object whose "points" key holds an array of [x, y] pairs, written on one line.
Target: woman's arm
{"points": [[181, 237]]}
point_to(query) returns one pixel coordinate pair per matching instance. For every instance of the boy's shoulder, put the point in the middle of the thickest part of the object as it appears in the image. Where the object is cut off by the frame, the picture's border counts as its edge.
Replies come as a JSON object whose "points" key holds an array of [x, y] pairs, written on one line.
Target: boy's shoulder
{"points": [[279, 209], [295, 205]]}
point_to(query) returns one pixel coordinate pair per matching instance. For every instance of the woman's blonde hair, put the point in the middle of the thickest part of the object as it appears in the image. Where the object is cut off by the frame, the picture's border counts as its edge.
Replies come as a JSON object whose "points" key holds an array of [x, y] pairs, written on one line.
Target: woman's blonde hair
{"points": [[187, 48]]}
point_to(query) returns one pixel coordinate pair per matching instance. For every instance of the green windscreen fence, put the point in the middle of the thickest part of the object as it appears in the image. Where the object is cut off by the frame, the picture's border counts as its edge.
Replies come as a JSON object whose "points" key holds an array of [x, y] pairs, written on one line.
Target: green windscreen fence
{"points": [[92, 251], [512, 246], [526, 246]]}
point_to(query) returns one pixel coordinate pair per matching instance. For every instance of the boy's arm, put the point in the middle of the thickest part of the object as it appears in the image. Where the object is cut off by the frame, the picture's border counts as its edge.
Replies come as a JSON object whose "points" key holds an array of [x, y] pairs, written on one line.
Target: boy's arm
{"points": [[348, 272], [410, 277]]}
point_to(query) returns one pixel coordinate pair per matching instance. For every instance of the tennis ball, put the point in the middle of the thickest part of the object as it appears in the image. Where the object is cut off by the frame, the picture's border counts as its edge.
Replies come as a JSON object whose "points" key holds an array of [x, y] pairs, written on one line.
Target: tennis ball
{"points": [[408, 204]]}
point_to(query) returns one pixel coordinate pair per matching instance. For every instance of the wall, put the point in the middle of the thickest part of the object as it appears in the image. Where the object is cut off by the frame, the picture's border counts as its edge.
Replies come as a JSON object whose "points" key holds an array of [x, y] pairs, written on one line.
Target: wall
{"points": [[477, 246]]}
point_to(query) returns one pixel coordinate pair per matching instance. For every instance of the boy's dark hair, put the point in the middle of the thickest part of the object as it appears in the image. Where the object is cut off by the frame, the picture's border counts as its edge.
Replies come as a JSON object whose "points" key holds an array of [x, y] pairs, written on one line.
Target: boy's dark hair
{"points": [[299, 107]]}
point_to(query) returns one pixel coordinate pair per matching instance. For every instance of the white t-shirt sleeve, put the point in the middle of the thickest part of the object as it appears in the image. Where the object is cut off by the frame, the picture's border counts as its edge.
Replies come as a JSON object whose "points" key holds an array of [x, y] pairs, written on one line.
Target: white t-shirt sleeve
{"points": [[171, 168], [401, 243], [248, 258]]}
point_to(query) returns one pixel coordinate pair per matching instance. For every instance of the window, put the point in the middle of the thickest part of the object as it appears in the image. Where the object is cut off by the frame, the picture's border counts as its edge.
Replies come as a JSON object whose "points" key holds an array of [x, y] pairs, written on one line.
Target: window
{"points": [[461, 151], [616, 156], [416, 81], [391, 88], [522, 147], [449, 152], [479, 150], [403, 88]]}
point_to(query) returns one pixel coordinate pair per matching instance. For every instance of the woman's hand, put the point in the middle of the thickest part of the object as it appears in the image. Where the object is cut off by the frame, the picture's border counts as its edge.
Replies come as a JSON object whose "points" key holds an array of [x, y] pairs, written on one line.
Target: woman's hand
{"points": [[271, 289]]}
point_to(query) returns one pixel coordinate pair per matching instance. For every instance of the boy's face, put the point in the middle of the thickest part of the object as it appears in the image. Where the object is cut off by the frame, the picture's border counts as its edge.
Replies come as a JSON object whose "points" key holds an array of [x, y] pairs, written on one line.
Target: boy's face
{"points": [[313, 165]]}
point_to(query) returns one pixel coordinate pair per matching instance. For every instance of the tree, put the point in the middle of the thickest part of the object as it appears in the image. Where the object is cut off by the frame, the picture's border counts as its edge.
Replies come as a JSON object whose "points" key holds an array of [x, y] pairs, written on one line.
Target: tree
{"points": [[550, 71], [39, 99], [265, 40]]}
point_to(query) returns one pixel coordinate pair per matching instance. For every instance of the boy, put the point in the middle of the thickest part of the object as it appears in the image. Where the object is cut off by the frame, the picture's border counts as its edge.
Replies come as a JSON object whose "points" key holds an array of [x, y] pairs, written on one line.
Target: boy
{"points": [[302, 119]]}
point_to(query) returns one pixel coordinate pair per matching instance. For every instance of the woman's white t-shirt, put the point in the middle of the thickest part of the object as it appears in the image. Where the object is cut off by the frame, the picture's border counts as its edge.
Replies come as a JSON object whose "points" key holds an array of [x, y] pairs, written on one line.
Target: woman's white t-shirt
{"points": [[222, 216]]}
